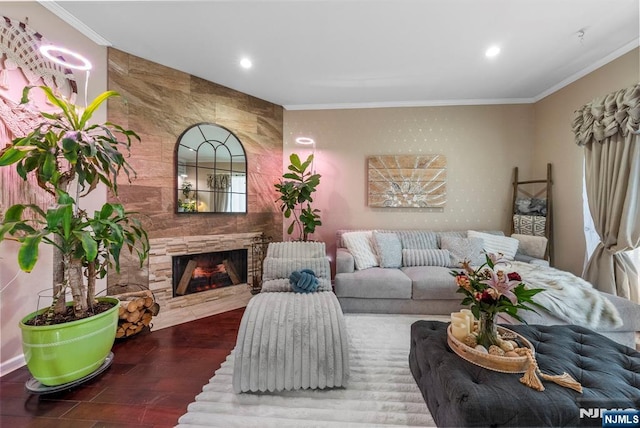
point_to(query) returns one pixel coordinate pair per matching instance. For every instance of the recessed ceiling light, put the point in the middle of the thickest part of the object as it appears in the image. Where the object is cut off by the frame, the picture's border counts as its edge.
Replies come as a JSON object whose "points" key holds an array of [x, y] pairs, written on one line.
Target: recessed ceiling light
{"points": [[492, 51], [245, 63]]}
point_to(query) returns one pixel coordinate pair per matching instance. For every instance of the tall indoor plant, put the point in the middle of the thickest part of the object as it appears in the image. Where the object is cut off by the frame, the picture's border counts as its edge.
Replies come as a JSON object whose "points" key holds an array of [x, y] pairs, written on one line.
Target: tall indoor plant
{"points": [[296, 195], [69, 157]]}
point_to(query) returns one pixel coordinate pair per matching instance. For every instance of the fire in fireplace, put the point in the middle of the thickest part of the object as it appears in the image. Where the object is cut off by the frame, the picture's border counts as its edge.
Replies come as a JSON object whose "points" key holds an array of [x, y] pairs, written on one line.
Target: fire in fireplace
{"points": [[193, 273]]}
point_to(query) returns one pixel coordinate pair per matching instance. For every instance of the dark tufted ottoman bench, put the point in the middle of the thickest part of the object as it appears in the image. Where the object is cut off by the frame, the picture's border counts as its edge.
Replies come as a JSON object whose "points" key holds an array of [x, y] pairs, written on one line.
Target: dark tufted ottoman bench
{"points": [[461, 394]]}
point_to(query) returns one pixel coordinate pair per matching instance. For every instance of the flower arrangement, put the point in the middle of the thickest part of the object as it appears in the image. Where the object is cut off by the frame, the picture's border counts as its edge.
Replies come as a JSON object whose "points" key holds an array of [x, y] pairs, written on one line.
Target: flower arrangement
{"points": [[489, 290]]}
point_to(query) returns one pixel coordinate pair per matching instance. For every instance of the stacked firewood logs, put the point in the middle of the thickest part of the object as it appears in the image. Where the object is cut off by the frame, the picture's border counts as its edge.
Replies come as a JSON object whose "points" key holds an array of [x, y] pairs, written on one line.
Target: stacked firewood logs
{"points": [[137, 308]]}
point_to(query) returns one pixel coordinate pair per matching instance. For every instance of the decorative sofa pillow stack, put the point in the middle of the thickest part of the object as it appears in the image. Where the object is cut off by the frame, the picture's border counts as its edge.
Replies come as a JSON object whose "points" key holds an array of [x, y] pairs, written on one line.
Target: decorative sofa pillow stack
{"points": [[420, 248], [408, 248]]}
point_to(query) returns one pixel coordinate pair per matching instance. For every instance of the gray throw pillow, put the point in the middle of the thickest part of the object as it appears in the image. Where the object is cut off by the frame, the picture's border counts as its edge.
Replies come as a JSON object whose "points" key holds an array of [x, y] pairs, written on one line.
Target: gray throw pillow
{"points": [[430, 257], [462, 249], [418, 239], [388, 248]]}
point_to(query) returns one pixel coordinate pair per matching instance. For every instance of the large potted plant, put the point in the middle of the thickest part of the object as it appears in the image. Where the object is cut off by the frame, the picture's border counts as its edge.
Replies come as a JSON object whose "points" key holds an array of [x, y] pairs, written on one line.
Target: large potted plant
{"points": [[296, 195], [69, 157]]}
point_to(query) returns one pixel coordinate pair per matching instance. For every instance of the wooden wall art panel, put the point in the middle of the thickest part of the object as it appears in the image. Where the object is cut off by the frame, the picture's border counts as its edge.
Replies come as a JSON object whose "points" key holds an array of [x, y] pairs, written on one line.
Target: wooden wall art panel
{"points": [[407, 181]]}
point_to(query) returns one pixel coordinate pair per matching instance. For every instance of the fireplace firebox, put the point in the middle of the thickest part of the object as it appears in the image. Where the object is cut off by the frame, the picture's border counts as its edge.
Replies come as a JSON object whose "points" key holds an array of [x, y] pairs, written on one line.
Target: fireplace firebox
{"points": [[193, 273]]}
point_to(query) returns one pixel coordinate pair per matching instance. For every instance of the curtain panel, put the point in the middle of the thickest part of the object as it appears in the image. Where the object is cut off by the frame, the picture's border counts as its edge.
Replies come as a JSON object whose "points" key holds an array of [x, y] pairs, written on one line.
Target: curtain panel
{"points": [[608, 131]]}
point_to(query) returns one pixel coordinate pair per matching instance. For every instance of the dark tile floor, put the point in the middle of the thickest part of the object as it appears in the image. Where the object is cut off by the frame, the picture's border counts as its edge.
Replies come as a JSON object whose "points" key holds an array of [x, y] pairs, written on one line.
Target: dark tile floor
{"points": [[154, 376]]}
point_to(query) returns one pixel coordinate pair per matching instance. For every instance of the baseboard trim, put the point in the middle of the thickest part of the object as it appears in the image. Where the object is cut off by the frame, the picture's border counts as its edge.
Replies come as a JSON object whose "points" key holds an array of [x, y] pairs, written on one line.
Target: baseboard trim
{"points": [[13, 364]]}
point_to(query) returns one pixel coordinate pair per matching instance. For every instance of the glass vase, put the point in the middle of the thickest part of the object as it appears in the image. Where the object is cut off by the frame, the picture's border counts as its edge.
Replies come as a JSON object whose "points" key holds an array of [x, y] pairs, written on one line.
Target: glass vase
{"points": [[487, 330]]}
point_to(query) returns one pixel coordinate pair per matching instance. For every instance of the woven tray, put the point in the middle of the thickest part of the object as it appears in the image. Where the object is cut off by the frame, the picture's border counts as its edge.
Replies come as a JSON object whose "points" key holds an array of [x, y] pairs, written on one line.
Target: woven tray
{"points": [[492, 362]]}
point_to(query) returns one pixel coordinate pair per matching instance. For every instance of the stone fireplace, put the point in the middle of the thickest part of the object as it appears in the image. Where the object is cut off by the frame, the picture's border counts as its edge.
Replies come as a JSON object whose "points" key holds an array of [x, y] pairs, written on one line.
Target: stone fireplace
{"points": [[176, 308], [195, 273], [186, 100]]}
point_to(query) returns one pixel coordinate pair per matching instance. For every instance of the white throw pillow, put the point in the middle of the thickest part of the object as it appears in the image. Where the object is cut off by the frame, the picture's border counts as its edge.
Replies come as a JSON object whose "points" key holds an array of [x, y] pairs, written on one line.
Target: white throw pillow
{"points": [[360, 245], [496, 243]]}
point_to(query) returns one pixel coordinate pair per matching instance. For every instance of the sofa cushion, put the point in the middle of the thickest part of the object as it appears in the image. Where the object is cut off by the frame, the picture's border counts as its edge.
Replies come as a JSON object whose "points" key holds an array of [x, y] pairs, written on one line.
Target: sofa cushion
{"points": [[345, 263], [361, 246], [533, 246], [388, 248], [496, 243], [296, 250], [432, 282], [282, 268], [374, 283], [418, 239], [430, 257], [462, 249], [283, 284]]}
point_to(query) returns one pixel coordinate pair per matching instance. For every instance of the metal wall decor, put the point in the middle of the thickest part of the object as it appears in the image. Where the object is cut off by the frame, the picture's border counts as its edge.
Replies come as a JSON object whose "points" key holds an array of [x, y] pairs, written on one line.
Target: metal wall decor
{"points": [[407, 181]]}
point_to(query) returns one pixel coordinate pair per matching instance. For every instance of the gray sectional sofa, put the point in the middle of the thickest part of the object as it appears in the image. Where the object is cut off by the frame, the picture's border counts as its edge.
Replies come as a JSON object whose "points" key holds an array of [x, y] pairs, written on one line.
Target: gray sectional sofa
{"points": [[423, 288], [411, 275]]}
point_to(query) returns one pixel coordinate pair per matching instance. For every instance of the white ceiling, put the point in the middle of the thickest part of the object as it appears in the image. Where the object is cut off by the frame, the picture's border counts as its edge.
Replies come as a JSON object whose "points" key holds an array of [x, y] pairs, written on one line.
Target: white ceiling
{"points": [[366, 53]]}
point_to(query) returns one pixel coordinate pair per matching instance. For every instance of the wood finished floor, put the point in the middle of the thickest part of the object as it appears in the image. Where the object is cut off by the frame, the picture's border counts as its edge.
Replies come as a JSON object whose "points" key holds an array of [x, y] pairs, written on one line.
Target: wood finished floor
{"points": [[154, 376]]}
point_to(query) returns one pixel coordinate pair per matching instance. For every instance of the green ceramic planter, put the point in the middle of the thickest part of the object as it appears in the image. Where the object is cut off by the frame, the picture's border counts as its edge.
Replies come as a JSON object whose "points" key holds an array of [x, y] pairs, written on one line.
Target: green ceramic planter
{"points": [[63, 353]]}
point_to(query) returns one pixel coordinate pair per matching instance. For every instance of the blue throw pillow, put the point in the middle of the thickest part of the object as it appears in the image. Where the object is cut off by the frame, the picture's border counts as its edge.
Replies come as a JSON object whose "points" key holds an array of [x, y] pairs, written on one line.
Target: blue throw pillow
{"points": [[389, 249], [303, 281]]}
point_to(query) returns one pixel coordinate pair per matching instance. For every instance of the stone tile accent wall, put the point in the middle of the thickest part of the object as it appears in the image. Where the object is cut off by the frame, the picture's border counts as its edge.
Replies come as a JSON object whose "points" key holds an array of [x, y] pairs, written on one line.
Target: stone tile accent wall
{"points": [[159, 103]]}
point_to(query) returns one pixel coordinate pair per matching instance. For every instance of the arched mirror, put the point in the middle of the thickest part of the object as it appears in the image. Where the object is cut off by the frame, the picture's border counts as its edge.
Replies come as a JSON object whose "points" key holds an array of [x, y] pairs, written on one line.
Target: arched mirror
{"points": [[211, 169]]}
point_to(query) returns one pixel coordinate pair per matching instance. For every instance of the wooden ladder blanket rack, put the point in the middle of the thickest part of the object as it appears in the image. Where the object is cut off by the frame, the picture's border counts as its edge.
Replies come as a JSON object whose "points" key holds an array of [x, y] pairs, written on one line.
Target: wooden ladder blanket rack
{"points": [[534, 189]]}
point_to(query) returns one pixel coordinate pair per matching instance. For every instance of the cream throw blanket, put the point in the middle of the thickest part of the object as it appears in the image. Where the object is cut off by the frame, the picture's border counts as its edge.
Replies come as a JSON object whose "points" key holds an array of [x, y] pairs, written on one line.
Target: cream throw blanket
{"points": [[569, 297]]}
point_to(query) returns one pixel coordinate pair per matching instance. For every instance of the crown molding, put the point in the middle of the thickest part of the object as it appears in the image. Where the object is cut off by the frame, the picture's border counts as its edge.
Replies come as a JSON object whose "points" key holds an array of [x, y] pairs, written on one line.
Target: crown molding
{"points": [[63, 14], [603, 61], [419, 103]]}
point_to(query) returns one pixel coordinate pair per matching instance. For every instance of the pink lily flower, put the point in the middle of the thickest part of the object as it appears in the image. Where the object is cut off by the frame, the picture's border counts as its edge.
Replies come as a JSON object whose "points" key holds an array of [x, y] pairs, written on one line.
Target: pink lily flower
{"points": [[497, 258], [501, 283]]}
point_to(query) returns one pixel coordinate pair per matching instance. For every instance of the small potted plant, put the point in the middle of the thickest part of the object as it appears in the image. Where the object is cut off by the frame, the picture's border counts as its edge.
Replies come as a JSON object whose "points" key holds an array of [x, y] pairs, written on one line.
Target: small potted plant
{"points": [[296, 195], [69, 157], [186, 204]]}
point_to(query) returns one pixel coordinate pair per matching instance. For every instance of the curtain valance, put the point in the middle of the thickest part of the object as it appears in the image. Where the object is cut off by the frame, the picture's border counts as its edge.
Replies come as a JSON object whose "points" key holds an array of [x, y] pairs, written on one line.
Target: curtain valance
{"points": [[618, 112]]}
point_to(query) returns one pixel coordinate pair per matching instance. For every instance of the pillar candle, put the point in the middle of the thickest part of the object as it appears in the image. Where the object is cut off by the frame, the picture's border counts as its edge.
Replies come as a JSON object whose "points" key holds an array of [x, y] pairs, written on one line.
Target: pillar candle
{"points": [[459, 330], [459, 317], [470, 316]]}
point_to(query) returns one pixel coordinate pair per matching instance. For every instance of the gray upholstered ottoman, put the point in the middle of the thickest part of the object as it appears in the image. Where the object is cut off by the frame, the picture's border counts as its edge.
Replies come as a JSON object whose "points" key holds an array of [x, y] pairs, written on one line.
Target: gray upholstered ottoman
{"points": [[459, 393], [289, 341]]}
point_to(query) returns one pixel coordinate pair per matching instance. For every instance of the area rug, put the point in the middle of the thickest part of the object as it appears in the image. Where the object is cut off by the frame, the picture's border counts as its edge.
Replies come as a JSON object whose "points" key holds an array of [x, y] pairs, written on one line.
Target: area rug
{"points": [[381, 391]]}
